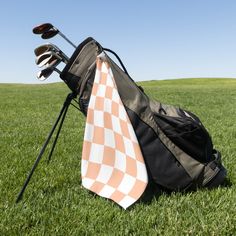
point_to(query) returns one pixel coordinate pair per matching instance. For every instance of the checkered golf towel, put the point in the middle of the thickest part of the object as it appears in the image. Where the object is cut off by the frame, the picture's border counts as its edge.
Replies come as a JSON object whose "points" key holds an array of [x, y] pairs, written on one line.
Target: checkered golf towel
{"points": [[112, 162]]}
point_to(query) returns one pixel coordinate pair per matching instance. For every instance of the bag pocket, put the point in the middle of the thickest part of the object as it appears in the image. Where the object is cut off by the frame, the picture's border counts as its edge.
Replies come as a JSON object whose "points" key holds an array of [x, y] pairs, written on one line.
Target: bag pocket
{"points": [[187, 134]]}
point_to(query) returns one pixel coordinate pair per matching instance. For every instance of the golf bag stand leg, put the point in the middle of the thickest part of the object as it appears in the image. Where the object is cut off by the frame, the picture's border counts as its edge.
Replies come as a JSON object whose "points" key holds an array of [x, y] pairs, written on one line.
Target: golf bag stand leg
{"points": [[58, 132], [62, 115]]}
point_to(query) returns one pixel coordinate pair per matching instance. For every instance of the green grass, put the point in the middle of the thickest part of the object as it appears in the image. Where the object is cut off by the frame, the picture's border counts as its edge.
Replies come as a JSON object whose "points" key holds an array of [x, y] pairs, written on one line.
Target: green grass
{"points": [[55, 203]]}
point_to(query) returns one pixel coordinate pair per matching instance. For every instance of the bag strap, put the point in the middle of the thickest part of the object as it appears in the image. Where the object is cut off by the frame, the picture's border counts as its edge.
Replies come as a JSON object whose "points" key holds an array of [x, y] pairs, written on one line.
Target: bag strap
{"points": [[122, 65], [118, 58]]}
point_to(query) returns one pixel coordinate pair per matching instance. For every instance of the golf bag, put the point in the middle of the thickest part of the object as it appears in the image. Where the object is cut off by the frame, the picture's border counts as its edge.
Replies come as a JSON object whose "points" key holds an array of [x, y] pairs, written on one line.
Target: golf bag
{"points": [[177, 149]]}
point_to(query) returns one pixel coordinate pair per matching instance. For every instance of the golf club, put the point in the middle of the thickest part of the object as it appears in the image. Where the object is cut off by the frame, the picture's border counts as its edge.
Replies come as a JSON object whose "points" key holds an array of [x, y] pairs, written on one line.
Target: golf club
{"points": [[53, 62], [46, 57], [45, 73], [48, 70], [50, 47], [47, 30]]}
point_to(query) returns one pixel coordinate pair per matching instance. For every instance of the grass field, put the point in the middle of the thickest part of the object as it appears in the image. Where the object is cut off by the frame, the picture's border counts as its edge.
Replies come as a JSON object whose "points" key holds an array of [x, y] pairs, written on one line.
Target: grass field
{"points": [[55, 203]]}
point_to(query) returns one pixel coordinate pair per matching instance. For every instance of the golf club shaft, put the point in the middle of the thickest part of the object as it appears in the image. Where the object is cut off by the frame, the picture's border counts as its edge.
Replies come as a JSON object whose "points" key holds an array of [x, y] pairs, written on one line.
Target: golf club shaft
{"points": [[63, 36], [64, 57], [57, 70]]}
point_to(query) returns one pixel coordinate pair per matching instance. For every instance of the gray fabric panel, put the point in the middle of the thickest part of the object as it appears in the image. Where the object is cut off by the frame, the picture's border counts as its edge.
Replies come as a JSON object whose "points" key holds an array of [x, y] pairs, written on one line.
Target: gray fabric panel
{"points": [[169, 110], [209, 174], [84, 60]]}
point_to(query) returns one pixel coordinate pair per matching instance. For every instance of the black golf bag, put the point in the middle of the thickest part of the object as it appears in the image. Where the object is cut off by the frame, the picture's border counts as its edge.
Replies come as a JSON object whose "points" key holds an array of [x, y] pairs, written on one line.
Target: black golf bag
{"points": [[177, 149]]}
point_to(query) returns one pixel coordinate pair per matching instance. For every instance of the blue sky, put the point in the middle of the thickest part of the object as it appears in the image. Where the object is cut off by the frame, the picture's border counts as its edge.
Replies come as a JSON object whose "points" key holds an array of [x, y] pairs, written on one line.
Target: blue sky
{"points": [[156, 39]]}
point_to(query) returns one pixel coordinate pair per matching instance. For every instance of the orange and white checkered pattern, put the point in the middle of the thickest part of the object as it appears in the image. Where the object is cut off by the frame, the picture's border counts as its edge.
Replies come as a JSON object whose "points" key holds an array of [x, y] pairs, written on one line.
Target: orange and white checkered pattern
{"points": [[112, 163]]}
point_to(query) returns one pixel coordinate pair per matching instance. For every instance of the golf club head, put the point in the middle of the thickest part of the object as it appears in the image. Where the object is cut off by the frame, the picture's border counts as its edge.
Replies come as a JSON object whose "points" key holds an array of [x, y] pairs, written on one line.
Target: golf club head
{"points": [[41, 49], [49, 34], [49, 61], [45, 73], [40, 29], [50, 47], [47, 31], [43, 59], [53, 62], [44, 48]]}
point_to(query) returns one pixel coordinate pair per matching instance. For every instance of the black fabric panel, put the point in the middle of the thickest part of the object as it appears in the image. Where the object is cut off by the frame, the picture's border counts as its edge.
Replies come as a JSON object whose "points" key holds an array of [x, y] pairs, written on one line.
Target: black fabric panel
{"points": [[162, 166], [187, 134]]}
